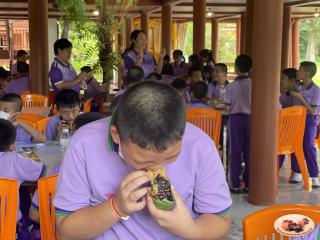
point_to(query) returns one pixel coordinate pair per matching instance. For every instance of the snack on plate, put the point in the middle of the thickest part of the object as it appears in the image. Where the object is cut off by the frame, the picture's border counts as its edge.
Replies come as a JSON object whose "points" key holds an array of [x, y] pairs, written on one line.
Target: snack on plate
{"points": [[291, 226], [31, 155], [160, 189]]}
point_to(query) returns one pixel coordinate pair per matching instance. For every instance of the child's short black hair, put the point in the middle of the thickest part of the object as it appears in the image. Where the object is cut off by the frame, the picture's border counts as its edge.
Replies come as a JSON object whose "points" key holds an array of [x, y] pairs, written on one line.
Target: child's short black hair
{"points": [[67, 99], [291, 73], [21, 53], [195, 59], [13, 98], [309, 67], [179, 84], [154, 76], [195, 68], [177, 53], [222, 66], [4, 74], [23, 68], [86, 69], [206, 53], [134, 75], [199, 90], [166, 58], [86, 118], [61, 44], [244, 63], [150, 114], [7, 135]]}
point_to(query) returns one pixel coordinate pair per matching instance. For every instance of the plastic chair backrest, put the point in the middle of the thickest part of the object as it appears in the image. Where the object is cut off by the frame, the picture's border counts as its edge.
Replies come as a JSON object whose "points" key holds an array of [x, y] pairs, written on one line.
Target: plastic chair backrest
{"points": [[8, 208], [209, 120], [261, 223], [42, 124], [29, 118], [87, 105], [47, 189], [25, 92], [292, 122], [34, 100]]}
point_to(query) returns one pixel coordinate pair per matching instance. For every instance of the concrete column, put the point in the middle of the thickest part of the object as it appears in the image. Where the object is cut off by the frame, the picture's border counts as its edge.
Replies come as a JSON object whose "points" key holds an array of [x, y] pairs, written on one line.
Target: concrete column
{"points": [[214, 38], [249, 27], [38, 37], [199, 25], [243, 33], [166, 28], [295, 44], [267, 36], [286, 36]]}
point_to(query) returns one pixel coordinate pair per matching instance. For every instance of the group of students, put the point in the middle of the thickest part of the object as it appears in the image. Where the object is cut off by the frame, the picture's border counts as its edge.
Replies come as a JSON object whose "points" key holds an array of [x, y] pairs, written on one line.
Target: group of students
{"points": [[15, 132]]}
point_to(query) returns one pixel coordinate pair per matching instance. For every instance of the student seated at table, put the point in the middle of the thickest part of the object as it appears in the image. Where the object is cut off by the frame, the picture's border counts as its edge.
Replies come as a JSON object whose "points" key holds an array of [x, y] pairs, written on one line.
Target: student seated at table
{"points": [[199, 92], [68, 106], [206, 57], [180, 85], [98, 171], [22, 56], [195, 75], [11, 104], [194, 60], [21, 83], [134, 75], [309, 97], [217, 87], [4, 79], [16, 166], [80, 121], [238, 103], [179, 66]]}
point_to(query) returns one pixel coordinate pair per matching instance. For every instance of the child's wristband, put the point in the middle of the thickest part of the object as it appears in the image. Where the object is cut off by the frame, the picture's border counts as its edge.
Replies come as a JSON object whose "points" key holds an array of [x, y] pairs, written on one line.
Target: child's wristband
{"points": [[115, 210]]}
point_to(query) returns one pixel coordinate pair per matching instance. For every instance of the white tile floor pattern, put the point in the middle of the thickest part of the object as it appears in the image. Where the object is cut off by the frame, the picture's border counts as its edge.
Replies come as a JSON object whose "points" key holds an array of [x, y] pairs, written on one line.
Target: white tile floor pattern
{"points": [[288, 193]]}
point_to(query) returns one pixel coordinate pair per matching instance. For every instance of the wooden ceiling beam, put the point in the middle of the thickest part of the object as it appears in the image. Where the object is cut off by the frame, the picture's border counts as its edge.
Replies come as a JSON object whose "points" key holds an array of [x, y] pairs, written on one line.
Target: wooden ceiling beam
{"points": [[299, 3]]}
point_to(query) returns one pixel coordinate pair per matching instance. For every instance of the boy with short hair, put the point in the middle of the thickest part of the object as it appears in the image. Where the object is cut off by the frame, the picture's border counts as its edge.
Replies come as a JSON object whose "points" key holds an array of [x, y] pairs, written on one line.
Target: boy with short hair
{"points": [[217, 87], [199, 91], [11, 104], [309, 97], [22, 56], [134, 75], [238, 103], [68, 106], [21, 83], [15, 166], [180, 85]]}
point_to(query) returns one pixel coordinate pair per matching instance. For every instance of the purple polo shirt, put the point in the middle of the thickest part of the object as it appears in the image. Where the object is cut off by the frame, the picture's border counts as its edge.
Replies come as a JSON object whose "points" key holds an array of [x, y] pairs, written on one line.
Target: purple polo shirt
{"points": [[216, 91], [18, 85], [286, 101], [51, 130], [311, 94], [23, 136], [238, 95], [20, 168], [62, 73], [198, 104], [148, 63], [180, 69], [90, 171], [94, 89]]}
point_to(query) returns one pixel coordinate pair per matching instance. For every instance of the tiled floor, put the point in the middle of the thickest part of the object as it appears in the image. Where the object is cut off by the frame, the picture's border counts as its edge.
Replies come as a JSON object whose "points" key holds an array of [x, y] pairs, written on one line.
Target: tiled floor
{"points": [[288, 193]]}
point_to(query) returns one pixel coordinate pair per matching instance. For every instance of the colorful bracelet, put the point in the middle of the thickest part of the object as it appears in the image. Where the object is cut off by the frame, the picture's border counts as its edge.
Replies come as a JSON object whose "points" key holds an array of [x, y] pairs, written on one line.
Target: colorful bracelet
{"points": [[115, 210]]}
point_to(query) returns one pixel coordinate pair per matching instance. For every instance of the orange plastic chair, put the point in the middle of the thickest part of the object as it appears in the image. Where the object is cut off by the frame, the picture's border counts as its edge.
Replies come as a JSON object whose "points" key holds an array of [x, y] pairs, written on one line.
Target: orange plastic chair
{"points": [[9, 208], [209, 120], [260, 224], [292, 122], [34, 100], [41, 125], [25, 92], [47, 189], [87, 105], [30, 119]]}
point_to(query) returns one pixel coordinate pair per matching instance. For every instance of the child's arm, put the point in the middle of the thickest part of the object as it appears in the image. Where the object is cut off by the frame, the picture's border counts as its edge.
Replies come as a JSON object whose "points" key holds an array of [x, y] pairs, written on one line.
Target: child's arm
{"points": [[311, 109], [36, 135]]}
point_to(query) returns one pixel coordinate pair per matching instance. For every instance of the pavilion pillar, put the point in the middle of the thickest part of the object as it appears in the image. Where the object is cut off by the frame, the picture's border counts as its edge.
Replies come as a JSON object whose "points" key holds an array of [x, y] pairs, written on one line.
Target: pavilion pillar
{"points": [[129, 29], [295, 44], [249, 27], [38, 37], [215, 38], [267, 31], [121, 41], [238, 30], [166, 28], [243, 33], [286, 36], [174, 35], [145, 23], [199, 25]]}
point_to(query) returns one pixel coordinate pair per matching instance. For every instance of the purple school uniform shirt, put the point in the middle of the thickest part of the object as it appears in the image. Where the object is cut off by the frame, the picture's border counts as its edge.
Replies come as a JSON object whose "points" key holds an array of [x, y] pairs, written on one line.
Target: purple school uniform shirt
{"points": [[18, 85], [23, 136], [15, 166], [198, 104], [62, 73], [90, 171], [238, 95], [311, 94], [286, 100], [216, 91], [148, 63], [180, 69], [51, 130], [94, 89]]}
